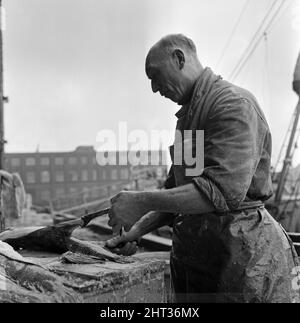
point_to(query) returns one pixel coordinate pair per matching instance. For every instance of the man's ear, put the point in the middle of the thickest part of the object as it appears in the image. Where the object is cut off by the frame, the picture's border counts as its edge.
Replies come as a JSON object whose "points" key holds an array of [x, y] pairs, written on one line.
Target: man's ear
{"points": [[178, 55]]}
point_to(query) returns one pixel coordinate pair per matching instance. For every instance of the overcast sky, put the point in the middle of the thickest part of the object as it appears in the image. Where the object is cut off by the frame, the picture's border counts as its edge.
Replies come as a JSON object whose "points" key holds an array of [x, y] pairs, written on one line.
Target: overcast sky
{"points": [[75, 67]]}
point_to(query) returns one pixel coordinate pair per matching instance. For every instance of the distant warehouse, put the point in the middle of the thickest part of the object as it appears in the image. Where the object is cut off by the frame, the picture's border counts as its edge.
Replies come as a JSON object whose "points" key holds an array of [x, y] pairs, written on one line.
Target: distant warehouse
{"points": [[50, 176]]}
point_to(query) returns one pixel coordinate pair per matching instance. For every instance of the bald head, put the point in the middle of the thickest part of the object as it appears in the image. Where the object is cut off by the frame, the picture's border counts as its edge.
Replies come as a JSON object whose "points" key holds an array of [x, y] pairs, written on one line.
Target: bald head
{"points": [[173, 67], [169, 43]]}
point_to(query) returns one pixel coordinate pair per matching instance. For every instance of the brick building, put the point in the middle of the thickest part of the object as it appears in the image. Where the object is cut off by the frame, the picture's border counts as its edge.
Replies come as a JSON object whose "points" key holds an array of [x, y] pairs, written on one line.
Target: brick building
{"points": [[50, 176]]}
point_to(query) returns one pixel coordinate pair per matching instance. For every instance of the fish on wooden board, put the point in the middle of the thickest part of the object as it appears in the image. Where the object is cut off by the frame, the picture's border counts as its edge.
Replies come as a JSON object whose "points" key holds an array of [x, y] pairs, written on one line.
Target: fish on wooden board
{"points": [[51, 238], [57, 239], [23, 280], [76, 258]]}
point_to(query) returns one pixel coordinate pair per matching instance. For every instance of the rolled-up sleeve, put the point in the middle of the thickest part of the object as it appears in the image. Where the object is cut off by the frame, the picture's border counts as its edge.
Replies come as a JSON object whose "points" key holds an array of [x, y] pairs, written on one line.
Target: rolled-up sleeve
{"points": [[234, 138]]}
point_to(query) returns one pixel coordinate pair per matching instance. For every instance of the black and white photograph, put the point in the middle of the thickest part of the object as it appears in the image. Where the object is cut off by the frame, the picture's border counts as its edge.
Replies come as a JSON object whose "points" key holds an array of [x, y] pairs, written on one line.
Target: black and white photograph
{"points": [[149, 154]]}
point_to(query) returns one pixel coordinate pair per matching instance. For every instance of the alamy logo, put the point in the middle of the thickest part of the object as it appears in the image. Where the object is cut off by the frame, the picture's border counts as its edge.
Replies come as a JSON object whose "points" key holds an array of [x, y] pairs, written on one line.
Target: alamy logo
{"points": [[138, 147]]}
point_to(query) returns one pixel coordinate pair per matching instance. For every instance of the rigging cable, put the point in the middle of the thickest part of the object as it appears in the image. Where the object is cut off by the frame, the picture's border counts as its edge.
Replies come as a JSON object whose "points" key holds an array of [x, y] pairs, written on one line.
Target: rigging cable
{"points": [[233, 32], [245, 57], [269, 10], [279, 158], [266, 75], [283, 12]]}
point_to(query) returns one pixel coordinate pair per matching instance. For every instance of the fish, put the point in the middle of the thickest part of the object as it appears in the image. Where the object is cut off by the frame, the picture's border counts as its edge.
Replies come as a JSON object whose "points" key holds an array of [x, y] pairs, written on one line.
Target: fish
{"points": [[77, 258], [95, 250], [23, 280], [51, 239]]}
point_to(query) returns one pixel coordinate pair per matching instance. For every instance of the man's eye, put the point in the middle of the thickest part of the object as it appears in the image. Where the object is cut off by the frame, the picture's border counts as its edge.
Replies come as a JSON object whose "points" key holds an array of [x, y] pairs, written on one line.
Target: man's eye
{"points": [[154, 74]]}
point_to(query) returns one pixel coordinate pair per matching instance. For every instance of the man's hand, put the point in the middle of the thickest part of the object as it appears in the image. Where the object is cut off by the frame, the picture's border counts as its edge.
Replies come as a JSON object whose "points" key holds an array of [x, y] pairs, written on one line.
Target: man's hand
{"points": [[119, 246], [126, 209], [126, 244]]}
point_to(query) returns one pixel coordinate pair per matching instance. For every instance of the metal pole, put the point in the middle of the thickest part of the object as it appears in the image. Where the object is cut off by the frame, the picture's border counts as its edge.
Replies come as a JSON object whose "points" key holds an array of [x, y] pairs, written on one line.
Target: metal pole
{"points": [[289, 152], [2, 220], [2, 140]]}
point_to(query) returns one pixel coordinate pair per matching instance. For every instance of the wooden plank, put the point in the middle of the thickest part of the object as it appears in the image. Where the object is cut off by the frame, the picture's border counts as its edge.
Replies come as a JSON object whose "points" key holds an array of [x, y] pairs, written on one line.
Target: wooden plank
{"points": [[294, 236], [297, 247]]}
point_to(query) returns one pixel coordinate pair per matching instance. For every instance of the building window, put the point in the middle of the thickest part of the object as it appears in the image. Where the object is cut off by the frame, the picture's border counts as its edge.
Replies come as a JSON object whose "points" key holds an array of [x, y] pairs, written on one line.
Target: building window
{"points": [[84, 160], [45, 195], [73, 190], [124, 173], [45, 161], [95, 193], [72, 161], [6, 163], [73, 176], [94, 161], [104, 174], [30, 177], [85, 193], [114, 174], [30, 161], [59, 177], [15, 162], [59, 192], [95, 177], [45, 177], [59, 161], [84, 175]]}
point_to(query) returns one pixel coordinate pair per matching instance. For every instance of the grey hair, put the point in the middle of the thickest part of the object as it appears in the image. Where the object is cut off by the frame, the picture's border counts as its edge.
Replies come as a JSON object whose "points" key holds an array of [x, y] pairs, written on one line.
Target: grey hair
{"points": [[173, 41]]}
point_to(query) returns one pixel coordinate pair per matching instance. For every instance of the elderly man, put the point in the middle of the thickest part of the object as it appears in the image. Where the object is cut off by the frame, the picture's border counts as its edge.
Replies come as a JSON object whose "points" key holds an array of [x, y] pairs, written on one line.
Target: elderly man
{"points": [[226, 246]]}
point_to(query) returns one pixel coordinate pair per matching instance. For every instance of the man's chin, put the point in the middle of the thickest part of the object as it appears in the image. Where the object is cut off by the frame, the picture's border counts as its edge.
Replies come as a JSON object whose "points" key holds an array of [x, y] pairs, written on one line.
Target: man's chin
{"points": [[173, 99], [180, 102]]}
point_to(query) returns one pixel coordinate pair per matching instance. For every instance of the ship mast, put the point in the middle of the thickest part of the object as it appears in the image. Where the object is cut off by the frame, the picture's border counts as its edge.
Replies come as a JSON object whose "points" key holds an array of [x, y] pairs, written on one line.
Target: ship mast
{"points": [[290, 149]]}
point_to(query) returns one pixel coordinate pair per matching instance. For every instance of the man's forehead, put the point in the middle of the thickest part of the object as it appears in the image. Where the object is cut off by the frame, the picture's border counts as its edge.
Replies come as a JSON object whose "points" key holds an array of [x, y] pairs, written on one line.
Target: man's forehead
{"points": [[154, 62], [151, 67]]}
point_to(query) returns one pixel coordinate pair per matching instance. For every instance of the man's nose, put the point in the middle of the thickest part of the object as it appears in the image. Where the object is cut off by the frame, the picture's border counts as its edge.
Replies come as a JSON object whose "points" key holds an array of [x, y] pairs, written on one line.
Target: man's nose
{"points": [[155, 87]]}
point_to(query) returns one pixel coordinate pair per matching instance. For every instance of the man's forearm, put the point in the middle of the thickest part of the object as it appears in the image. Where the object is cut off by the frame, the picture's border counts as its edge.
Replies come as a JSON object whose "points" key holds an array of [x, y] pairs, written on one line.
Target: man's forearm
{"points": [[184, 199], [128, 208], [152, 221]]}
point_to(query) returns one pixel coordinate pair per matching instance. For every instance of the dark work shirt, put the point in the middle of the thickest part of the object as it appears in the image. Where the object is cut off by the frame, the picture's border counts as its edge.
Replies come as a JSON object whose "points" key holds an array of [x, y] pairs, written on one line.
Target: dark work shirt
{"points": [[233, 251], [237, 144]]}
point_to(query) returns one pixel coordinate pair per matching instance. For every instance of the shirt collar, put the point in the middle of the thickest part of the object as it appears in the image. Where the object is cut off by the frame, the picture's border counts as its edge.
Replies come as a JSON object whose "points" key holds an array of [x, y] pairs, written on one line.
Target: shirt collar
{"points": [[183, 111], [185, 108]]}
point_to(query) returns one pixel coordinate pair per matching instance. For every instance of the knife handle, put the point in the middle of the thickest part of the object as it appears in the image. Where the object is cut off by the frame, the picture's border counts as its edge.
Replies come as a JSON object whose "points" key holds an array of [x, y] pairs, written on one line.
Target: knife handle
{"points": [[91, 216]]}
